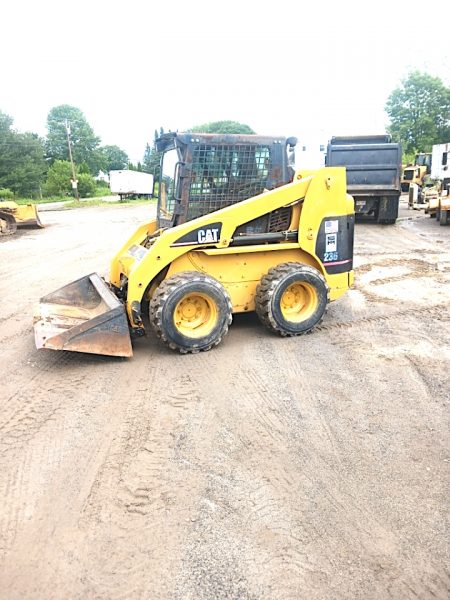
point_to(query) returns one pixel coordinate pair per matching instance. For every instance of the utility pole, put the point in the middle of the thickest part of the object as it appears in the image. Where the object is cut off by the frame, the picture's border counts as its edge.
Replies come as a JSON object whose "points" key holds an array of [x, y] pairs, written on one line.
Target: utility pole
{"points": [[74, 175]]}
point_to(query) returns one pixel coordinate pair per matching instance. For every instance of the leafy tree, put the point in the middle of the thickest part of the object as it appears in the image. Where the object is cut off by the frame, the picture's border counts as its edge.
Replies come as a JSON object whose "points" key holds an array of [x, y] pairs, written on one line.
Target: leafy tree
{"points": [[22, 161], [5, 124], [59, 179], [151, 160], [85, 144], [86, 185], [223, 127], [115, 158], [82, 168], [419, 111]]}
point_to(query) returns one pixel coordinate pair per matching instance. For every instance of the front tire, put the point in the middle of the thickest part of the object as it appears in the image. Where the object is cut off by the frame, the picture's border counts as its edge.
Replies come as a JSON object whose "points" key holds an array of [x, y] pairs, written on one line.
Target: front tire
{"points": [[190, 312], [8, 224], [291, 299]]}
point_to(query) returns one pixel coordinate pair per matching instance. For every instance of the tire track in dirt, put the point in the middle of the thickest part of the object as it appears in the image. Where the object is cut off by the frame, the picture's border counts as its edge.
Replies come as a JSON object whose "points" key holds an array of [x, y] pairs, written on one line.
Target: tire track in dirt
{"points": [[438, 311], [375, 540], [268, 468], [40, 410], [147, 484]]}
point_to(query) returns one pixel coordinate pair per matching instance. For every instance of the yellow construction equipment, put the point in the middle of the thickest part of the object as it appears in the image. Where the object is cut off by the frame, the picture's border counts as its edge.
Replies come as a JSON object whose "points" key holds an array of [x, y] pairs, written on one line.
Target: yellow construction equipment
{"points": [[236, 231], [417, 172], [13, 215]]}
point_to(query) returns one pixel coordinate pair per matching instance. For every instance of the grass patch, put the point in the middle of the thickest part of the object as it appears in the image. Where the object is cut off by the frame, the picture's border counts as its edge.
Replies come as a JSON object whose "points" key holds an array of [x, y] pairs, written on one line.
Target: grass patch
{"points": [[42, 200], [70, 202], [100, 202], [84, 203]]}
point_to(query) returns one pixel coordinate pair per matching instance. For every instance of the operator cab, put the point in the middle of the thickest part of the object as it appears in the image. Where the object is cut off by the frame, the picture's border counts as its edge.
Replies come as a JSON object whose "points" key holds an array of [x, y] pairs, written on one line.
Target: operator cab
{"points": [[201, 173]]}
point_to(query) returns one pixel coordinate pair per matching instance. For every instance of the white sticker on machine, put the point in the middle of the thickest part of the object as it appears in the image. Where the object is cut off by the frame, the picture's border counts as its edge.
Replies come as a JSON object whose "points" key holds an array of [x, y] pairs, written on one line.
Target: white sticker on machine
{"points": [[137, 252], [332, 226], [331, 242]]}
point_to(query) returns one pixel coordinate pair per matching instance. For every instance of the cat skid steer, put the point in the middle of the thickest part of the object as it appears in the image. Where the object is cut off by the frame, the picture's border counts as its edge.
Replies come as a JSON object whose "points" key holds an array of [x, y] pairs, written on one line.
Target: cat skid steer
{"points": [[237, 230], [14, 215]]}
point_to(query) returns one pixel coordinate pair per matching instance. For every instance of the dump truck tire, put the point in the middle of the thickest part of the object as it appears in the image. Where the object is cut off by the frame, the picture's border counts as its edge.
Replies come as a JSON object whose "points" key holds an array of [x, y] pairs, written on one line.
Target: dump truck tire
{"points": [[291, 299], [190, 312]]}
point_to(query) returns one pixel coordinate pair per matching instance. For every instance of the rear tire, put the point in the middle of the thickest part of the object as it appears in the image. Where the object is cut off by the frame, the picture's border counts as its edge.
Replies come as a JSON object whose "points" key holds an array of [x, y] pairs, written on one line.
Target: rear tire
{"points": [[443, 217], [190, 312], [8, 224], [291, 299]]}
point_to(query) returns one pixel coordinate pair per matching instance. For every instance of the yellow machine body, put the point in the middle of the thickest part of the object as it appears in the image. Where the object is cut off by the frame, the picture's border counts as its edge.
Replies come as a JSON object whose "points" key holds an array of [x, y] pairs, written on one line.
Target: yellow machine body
{"points": [[315, 196], [13, 215], [210, 245]]}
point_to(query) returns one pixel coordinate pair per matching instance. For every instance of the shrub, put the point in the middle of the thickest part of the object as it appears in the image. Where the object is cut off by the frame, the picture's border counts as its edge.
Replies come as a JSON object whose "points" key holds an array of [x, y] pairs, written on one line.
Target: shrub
{"points": [[58, 179], [6, 194], [86, 185]]}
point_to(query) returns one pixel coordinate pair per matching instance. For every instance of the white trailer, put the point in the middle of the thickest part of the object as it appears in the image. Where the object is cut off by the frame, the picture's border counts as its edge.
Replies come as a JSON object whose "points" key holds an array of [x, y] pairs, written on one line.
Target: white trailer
{"points": [[128, 183], [440, 163]]}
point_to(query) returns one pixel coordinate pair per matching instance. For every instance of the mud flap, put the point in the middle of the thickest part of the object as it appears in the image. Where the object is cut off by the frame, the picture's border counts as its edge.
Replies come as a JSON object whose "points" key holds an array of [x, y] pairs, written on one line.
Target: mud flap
{"points": [[83, 316]]}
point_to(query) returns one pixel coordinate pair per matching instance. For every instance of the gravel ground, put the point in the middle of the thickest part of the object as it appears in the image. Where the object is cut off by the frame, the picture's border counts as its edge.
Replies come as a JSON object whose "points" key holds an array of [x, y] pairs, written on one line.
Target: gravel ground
{"points": [[269, 468]]}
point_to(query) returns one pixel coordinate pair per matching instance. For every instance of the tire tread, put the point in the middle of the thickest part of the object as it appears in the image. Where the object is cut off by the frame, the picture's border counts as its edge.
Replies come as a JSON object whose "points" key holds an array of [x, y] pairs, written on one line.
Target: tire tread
{"points": [[267, 287], [161, 295]]}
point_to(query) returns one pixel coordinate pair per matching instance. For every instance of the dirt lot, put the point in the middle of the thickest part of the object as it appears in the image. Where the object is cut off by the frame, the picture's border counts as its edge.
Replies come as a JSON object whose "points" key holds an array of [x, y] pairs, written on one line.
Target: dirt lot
{"points": [[304, 468]]}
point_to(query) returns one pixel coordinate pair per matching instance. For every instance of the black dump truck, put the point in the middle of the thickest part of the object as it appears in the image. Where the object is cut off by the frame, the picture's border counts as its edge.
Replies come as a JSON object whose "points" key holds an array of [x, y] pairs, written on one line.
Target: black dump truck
{"points": [[373, 165]]}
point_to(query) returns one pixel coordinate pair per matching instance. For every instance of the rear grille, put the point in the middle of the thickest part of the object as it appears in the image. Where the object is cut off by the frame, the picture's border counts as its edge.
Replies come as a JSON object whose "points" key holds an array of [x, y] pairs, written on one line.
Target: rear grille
{"points": [[280, 219], [275, 222], [408, 175]]}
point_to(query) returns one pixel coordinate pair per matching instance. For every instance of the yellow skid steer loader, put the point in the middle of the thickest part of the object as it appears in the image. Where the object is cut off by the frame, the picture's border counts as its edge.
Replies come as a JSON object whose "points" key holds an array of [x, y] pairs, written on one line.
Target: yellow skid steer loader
{"points": [[237, 230], [14, 215]]}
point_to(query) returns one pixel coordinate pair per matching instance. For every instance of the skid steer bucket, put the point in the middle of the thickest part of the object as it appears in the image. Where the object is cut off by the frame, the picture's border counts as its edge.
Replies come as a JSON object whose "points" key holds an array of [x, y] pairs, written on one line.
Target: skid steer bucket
{"points": [[83, 316]]}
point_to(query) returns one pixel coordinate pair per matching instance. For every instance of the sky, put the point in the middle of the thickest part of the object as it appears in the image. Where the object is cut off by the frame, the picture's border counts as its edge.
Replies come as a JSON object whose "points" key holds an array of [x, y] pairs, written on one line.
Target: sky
{"points": [[309, 69]]}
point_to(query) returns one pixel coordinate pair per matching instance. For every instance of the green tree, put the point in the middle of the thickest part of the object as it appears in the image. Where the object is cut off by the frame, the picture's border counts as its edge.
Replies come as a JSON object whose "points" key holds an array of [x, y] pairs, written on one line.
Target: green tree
{"points": [[419, 112], [222, 127], [22, 159], [59, 179], [85, 144], [151, 160], [86, 185], [115, 158], [5, 125]]}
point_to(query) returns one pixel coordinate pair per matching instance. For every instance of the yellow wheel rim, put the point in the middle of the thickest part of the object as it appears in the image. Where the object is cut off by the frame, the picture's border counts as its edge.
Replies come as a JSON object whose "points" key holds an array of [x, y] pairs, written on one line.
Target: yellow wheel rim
{"points": [[195, 315], [299, 302]]}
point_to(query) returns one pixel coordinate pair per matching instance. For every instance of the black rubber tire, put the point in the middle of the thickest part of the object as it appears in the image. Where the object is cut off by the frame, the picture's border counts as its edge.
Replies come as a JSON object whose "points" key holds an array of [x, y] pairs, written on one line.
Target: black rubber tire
{"points": [[443, 217], [171, 292], [9, 225], [270, 291]]}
